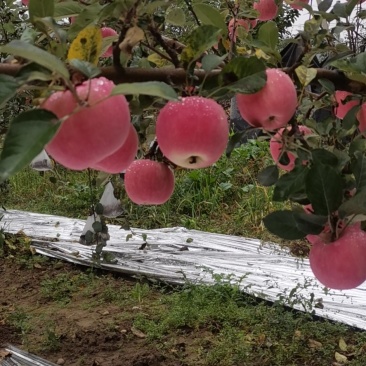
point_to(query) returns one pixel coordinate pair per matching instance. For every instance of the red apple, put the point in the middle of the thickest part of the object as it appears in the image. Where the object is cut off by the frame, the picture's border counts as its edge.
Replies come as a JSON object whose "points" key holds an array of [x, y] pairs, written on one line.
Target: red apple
{"points": [[149, 182], [298, 6], [273, 106], [342, 109], [92, 131], [341, 264], [361, 118], [193, 132], [247, 24], [278, 141], [267, 9], [122, 158], [25, 2], [108, 32]]}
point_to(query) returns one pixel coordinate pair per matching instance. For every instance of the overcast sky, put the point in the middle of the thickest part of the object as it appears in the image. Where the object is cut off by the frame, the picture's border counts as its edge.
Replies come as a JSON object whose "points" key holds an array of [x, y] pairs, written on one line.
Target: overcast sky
{"points": [[299, 24]]}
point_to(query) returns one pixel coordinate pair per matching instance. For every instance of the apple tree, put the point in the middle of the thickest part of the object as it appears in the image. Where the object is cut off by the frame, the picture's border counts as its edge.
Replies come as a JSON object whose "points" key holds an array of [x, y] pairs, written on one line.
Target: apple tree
{"points": [[93, 68]]}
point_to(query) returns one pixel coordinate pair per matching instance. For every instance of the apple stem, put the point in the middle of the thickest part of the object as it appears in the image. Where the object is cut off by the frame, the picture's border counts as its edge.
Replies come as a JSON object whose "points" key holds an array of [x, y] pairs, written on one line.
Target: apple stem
{"points": [[193, 160]]}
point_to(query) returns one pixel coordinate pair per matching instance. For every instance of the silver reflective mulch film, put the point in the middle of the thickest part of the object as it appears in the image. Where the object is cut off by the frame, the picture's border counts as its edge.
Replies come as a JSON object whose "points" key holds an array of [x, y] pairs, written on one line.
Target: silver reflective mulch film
{"points": [[17, 357], [176, 255]]}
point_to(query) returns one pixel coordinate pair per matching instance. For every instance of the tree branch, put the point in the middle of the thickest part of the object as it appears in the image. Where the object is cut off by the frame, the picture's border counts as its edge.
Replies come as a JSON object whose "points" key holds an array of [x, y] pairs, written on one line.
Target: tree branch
{"points": [[178, 76]]}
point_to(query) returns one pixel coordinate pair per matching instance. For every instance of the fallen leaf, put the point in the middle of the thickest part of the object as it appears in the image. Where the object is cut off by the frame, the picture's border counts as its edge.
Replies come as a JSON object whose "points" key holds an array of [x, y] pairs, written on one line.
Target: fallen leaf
{"points": [[4, 353], [340, 358], [138, 333], [314, 344], [342, 345]]}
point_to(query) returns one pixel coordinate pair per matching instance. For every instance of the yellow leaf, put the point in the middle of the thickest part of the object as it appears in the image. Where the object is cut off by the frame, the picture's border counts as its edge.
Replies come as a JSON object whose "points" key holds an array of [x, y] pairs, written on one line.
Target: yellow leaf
{"points": [[314, 344], [87, 46], [340, 358], [342, 345], [260, 54], [157, 60], [305, 75], [133, 36]]}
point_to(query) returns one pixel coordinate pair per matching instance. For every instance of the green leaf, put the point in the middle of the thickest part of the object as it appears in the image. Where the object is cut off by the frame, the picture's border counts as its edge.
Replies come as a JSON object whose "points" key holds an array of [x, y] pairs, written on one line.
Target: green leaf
{"points": [[207, 14], [357, 145], [244, 75], [67, 9], [324, 188], [284, 225], [210, 62], [37, 55], [327, 85], [350, 5], [32, 72], [86, 68], [97, 226], [152, 88], [8, 88], [88, 16], [358, 167], [325, 5], [99, 209], [309, 223], [41, 8], [340, 9], [268, 34], [354, 206], [268, 176], [201, 39], [28, 133], [322, 156], [175, 16], [350, 119], [291, 183]]}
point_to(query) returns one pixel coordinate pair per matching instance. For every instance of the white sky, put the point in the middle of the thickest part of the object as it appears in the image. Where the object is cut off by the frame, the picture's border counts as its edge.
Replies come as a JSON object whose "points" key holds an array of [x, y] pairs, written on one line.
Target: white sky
{"points": [[304, 15]]}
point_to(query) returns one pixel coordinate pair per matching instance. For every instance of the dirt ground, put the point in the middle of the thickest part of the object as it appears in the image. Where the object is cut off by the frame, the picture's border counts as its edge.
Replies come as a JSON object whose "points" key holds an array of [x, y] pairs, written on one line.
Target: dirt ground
{"points": [[79, 332]]}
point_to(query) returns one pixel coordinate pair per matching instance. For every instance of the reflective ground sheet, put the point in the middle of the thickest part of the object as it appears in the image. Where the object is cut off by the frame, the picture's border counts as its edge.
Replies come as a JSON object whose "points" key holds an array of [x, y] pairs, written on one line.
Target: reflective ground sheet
{"points": [[12, 356], [176, 255]]}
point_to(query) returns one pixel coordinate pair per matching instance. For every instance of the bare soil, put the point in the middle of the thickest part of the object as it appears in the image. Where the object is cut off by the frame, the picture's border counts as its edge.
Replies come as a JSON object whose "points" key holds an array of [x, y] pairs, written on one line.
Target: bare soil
{"points": [[82, 331]]}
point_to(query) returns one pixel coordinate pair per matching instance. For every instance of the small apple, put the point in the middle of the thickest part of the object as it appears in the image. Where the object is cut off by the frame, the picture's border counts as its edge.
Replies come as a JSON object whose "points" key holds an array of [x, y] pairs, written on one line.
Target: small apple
{"points": [[25, 2], [361, 118], [278, 141], [192, 133], [122, 158], [149, 182], [108, 32], [247, 24], [343, 108], [271, 107], [267, 9], [341, 264], [91, 131]]}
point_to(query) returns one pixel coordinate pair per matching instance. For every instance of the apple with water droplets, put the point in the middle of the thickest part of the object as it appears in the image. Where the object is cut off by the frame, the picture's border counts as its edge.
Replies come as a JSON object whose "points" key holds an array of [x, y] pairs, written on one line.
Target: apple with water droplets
{"points": [[149, 182], [340, 264], [95, 127], [193, 132], [122, 158], [273, 106]]}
